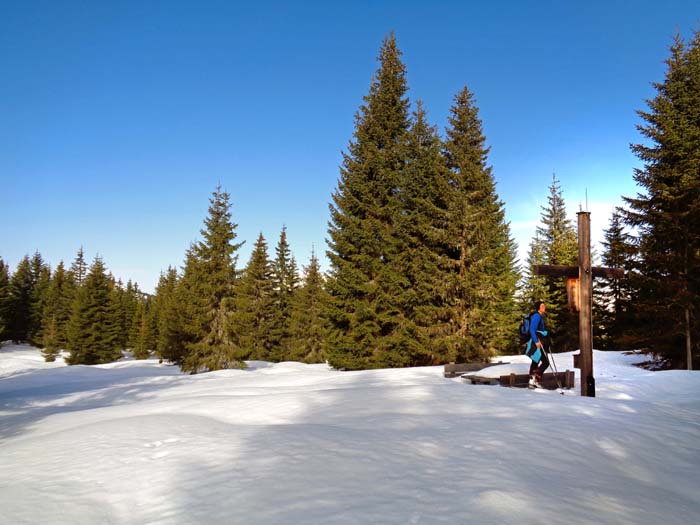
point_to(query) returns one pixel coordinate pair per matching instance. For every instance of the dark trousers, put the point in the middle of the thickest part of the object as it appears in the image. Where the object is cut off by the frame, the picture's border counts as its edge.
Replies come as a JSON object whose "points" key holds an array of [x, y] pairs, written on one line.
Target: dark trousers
{"points": [[543, 364]]}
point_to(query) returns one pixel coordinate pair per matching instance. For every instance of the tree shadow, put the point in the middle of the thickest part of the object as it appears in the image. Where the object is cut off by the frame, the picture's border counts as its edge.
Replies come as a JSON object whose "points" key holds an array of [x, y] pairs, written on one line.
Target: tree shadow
{"points": [[290, 443]]}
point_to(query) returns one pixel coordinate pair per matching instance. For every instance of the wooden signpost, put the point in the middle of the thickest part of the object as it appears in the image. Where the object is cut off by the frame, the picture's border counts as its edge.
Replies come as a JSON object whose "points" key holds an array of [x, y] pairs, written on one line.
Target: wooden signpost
{"points": [[584, 273]]}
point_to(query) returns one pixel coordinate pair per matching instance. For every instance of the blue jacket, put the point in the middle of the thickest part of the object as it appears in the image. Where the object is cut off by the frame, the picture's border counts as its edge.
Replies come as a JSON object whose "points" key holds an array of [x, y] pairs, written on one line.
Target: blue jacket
{"points": [[537, 325]]}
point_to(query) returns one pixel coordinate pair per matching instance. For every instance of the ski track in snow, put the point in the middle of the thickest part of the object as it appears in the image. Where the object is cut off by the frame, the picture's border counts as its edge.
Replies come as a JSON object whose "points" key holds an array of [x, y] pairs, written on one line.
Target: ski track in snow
{"points": [[139, 442]]}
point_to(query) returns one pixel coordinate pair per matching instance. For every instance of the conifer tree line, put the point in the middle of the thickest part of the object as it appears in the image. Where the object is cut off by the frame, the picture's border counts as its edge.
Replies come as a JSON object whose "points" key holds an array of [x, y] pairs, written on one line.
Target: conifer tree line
{"points": [[654, 237], [209, 316], [81, 309], [422, 263]]}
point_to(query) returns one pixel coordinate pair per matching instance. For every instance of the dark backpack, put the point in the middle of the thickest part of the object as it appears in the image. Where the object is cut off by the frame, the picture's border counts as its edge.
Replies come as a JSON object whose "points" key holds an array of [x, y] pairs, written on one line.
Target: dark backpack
{"points": [[524, 330]]}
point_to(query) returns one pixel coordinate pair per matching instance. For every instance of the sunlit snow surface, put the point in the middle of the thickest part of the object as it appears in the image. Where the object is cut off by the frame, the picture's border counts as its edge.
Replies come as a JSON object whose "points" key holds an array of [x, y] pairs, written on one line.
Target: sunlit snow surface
{"points": [[139, 442]]}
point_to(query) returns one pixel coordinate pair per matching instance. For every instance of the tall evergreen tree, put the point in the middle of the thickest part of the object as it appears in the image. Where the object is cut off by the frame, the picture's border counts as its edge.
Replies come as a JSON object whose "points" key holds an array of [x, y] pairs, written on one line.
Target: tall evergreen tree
{"points": [[169, 342], [128, 300], [91, 333], [210, 276], [555, 243], [41, 279], [20, 301], [362, 313], [254, 308], [667, 214], [419, 267], [56, 313], [285, 281], [308, 325], [534, 287], [4, 299], [79, 268], [485, 276], [618, 324]]}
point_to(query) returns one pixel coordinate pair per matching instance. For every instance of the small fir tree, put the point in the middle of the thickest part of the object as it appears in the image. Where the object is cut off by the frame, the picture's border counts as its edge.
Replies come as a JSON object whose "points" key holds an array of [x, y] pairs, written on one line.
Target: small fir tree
{"points": [[41, 278], [308, 324], [4, 299], [20, 301], [56, 313], [169, 342], [144, 338], [79, 268], [555, 243], [285, 281], [254, 308], [209, 277], [617, 322], [91, 328]]}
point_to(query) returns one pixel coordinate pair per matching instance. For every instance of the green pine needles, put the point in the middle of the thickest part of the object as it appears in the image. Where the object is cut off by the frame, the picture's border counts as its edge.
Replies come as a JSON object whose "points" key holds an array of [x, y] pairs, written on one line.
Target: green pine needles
{"points": [[422, 262]]}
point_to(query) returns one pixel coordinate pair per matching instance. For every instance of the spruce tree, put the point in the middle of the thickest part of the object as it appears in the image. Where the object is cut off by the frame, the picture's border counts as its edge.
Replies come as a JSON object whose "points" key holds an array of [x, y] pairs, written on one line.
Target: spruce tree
{"points": [[210, 276], [144, 331], [667, 214], [51, 346], [78, 269], [169, 342], [285, 281], [555, 243], [534, 287], [128, 299], [308, 324], [91, 327], [421, 264], [56, 313], [191, 302], [254, 307], [41, 278], [617, 321], [485, 277], [363, 317], [20, 301], [4, 299]]}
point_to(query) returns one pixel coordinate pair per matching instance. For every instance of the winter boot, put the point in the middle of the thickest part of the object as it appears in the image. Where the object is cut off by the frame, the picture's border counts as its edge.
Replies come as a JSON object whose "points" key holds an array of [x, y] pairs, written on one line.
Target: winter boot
{"points": [[534, 382]]}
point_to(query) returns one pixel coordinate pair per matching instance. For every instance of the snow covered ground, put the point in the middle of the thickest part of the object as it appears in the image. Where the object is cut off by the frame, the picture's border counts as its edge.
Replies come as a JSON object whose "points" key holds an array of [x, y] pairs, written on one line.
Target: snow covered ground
{"points": [[137, 442]]}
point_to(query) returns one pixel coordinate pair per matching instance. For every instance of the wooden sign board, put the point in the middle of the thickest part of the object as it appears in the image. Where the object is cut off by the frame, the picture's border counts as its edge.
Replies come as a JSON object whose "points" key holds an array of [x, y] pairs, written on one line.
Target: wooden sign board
{"points": [[573, 294]]}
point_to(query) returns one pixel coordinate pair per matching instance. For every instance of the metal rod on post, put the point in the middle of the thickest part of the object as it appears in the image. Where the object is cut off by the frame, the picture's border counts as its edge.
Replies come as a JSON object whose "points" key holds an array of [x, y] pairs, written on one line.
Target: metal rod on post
{"points": [[585, 319]]}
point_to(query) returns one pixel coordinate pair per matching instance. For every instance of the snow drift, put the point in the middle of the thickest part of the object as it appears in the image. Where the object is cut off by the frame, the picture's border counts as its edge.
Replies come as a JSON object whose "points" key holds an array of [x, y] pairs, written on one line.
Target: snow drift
{"points": [[139, 442]]}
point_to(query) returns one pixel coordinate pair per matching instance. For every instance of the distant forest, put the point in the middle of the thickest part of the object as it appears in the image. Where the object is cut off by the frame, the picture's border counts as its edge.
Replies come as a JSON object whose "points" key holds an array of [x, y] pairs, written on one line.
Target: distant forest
{"points": [[423, 268]]}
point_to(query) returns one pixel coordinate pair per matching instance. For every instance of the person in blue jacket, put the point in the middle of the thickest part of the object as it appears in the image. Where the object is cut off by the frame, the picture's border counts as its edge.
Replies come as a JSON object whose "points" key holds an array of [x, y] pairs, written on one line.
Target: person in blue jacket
{"points": [[537, 346]]}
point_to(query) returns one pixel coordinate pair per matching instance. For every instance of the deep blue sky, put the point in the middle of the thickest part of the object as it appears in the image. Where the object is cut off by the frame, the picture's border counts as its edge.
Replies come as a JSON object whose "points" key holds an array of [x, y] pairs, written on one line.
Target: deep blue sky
{"points": [[119, 119]]}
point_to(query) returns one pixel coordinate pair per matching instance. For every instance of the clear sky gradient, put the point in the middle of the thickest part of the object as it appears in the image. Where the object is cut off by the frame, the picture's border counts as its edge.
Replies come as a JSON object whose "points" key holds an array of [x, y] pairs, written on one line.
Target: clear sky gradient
{"points": [[119, 119]]}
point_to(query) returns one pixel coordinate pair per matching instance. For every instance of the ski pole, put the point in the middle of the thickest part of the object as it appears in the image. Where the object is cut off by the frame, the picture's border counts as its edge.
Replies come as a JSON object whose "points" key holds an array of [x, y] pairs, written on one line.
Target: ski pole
{"points": [[554, 366]]}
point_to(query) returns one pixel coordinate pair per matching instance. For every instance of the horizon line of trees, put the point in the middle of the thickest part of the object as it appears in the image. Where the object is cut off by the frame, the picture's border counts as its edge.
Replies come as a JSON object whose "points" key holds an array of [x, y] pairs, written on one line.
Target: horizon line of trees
{"points": [[422, 263]]}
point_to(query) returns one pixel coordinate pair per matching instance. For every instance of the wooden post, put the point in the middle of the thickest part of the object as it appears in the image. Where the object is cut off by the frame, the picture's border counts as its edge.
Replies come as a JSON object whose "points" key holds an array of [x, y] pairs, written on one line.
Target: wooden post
{"points": [[585, 274], [585, 319]]}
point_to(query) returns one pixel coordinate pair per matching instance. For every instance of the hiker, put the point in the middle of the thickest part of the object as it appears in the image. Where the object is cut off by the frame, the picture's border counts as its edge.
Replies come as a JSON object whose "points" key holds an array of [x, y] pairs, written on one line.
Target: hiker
{"points": [[536, 349]]}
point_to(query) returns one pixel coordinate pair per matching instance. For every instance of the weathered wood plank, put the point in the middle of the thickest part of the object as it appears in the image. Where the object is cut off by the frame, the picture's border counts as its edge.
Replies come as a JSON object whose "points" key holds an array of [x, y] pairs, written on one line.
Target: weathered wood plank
{"points": [[555, 270], [457, 369], [481, 380]]}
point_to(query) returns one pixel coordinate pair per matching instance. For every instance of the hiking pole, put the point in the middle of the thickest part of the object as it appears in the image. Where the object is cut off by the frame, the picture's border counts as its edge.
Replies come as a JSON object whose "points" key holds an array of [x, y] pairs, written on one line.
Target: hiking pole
{"points": [[554, 366]]}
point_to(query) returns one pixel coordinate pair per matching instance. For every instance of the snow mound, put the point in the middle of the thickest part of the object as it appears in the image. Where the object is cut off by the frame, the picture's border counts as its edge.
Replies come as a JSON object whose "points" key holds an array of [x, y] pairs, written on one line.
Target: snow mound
{"points": [[140, 442]]}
